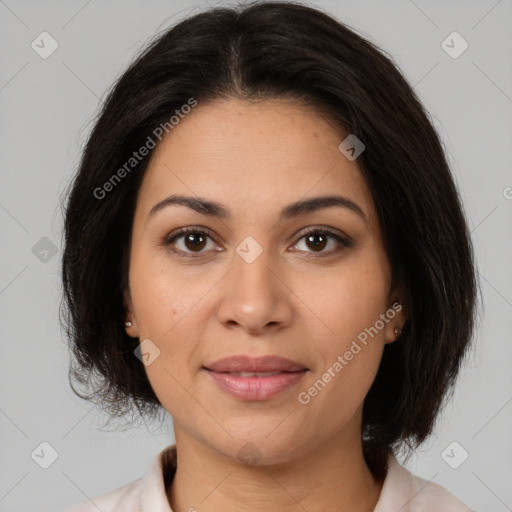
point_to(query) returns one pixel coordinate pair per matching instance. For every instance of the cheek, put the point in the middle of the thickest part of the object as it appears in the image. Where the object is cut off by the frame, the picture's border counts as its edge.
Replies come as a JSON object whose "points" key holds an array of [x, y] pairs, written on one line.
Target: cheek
{"points": [[164, 305], [349, 299], [170, 387], [335, 392], [161, 297], [350, 338]]}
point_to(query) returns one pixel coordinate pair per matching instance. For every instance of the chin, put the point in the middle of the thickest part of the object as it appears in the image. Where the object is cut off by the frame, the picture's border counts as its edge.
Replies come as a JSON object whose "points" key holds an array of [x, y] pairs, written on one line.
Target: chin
{"points": [[257, 449]]}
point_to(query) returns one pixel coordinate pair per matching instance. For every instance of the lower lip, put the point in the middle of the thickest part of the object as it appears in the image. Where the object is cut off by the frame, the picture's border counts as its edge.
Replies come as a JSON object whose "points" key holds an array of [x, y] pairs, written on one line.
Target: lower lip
{"points": [[256, 388]]}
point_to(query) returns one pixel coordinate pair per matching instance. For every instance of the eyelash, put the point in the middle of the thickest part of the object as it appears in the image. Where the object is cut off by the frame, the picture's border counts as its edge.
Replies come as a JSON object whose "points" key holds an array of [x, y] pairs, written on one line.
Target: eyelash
{"points": [[344, 242]]}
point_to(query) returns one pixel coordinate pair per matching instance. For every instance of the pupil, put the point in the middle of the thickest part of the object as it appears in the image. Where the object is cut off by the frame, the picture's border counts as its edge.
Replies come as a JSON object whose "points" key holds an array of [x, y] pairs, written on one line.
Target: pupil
{"points": [[190, 239], [317, 245]]}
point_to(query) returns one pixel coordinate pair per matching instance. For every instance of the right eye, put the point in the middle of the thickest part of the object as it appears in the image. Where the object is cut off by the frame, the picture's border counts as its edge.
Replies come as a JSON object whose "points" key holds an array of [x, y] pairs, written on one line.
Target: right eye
{"points": [[192, 241]]}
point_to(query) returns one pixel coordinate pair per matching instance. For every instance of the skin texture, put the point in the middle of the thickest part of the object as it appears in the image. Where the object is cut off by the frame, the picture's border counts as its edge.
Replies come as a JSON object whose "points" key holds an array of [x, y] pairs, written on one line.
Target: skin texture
{"points": [[256, 158]]}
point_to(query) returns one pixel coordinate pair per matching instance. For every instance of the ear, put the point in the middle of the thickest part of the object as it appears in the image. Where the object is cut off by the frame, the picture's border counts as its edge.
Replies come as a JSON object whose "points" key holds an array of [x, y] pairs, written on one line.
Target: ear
{"points": [[132, 330], [396, 314], [396, 321]]}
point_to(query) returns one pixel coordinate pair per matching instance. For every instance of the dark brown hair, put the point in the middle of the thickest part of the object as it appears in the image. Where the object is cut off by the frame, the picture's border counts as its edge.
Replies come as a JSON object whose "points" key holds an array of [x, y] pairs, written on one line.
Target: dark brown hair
{"points": [[255, 52]]}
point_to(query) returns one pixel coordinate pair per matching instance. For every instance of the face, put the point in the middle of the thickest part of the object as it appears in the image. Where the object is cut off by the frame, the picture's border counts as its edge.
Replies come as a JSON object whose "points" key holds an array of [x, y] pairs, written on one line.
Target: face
{"points": [[253, 277]]}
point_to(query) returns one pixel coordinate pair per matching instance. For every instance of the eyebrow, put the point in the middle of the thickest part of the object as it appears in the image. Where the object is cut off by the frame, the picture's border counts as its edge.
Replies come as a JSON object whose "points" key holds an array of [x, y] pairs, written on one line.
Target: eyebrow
{"points": [[293, 210]]}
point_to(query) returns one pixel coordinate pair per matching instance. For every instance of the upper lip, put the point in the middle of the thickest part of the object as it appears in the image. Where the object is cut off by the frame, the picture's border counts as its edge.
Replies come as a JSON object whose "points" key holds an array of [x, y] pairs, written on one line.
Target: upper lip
{"points": [[244, 363]]}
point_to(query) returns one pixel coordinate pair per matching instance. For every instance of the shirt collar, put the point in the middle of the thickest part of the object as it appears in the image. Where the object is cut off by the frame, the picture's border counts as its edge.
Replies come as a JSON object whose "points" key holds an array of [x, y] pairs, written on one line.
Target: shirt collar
{"points": [[153, 497], [396, 493]]}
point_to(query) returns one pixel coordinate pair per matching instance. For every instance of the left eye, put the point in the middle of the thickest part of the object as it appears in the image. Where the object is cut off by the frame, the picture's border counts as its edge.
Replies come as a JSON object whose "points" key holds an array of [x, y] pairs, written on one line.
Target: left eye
{"points": [[194, 241], [319, 239]]}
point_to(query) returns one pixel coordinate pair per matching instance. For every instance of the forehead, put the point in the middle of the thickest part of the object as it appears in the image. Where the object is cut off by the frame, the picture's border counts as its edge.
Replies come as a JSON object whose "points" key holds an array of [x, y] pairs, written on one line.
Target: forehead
{"points": [[253, 156]]}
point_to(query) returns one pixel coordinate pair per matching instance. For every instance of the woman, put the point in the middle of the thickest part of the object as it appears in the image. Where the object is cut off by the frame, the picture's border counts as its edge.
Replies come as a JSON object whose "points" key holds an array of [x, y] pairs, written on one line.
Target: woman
{"points": [[265, 241]]}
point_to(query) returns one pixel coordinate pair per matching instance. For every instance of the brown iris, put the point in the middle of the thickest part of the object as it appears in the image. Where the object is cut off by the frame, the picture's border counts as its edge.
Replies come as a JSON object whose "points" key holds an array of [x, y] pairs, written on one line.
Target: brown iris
{"points": [[313, 239], [195, 241]]}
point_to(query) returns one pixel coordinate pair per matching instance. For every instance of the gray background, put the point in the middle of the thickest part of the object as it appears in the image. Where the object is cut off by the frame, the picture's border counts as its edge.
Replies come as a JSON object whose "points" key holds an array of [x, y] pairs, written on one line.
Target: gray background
{"points": [[47, 108]]}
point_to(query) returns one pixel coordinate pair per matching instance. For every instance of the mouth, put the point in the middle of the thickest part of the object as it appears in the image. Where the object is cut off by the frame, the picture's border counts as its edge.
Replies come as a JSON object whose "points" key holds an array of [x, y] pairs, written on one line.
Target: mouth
{"points": [[261, 364], [258, 378], [253, 374]]}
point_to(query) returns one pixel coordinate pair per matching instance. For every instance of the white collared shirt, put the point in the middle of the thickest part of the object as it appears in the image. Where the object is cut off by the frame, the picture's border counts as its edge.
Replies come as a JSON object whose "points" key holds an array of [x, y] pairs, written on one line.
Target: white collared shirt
{"points": [[401, 492]]}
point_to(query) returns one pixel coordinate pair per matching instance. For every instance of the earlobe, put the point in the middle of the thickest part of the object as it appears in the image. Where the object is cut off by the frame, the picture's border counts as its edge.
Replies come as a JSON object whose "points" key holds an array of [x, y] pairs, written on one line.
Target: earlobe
{"points": [[393, 332], [131, 329], [397, 319], [129, 324]]}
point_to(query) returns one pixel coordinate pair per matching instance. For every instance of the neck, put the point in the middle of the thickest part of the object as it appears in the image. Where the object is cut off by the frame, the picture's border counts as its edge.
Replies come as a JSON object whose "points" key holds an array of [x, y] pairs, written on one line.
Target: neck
{"points": [[331, 476]]}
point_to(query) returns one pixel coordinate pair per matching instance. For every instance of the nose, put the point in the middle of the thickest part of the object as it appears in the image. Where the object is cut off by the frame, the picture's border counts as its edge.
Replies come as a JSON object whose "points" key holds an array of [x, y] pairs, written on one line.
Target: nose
{"points": [[254, 297]]}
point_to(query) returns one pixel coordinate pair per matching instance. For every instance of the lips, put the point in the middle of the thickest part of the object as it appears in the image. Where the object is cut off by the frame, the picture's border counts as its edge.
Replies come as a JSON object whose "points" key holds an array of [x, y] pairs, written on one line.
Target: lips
{"points": [[254, 374], [255, 378], [236, 364]]}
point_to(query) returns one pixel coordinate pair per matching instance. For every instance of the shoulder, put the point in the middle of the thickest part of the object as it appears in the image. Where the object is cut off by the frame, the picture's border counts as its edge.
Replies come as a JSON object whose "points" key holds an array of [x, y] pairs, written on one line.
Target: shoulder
{"points": [[125, 498], [147, 494], [428, 494], [406, 492]]}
